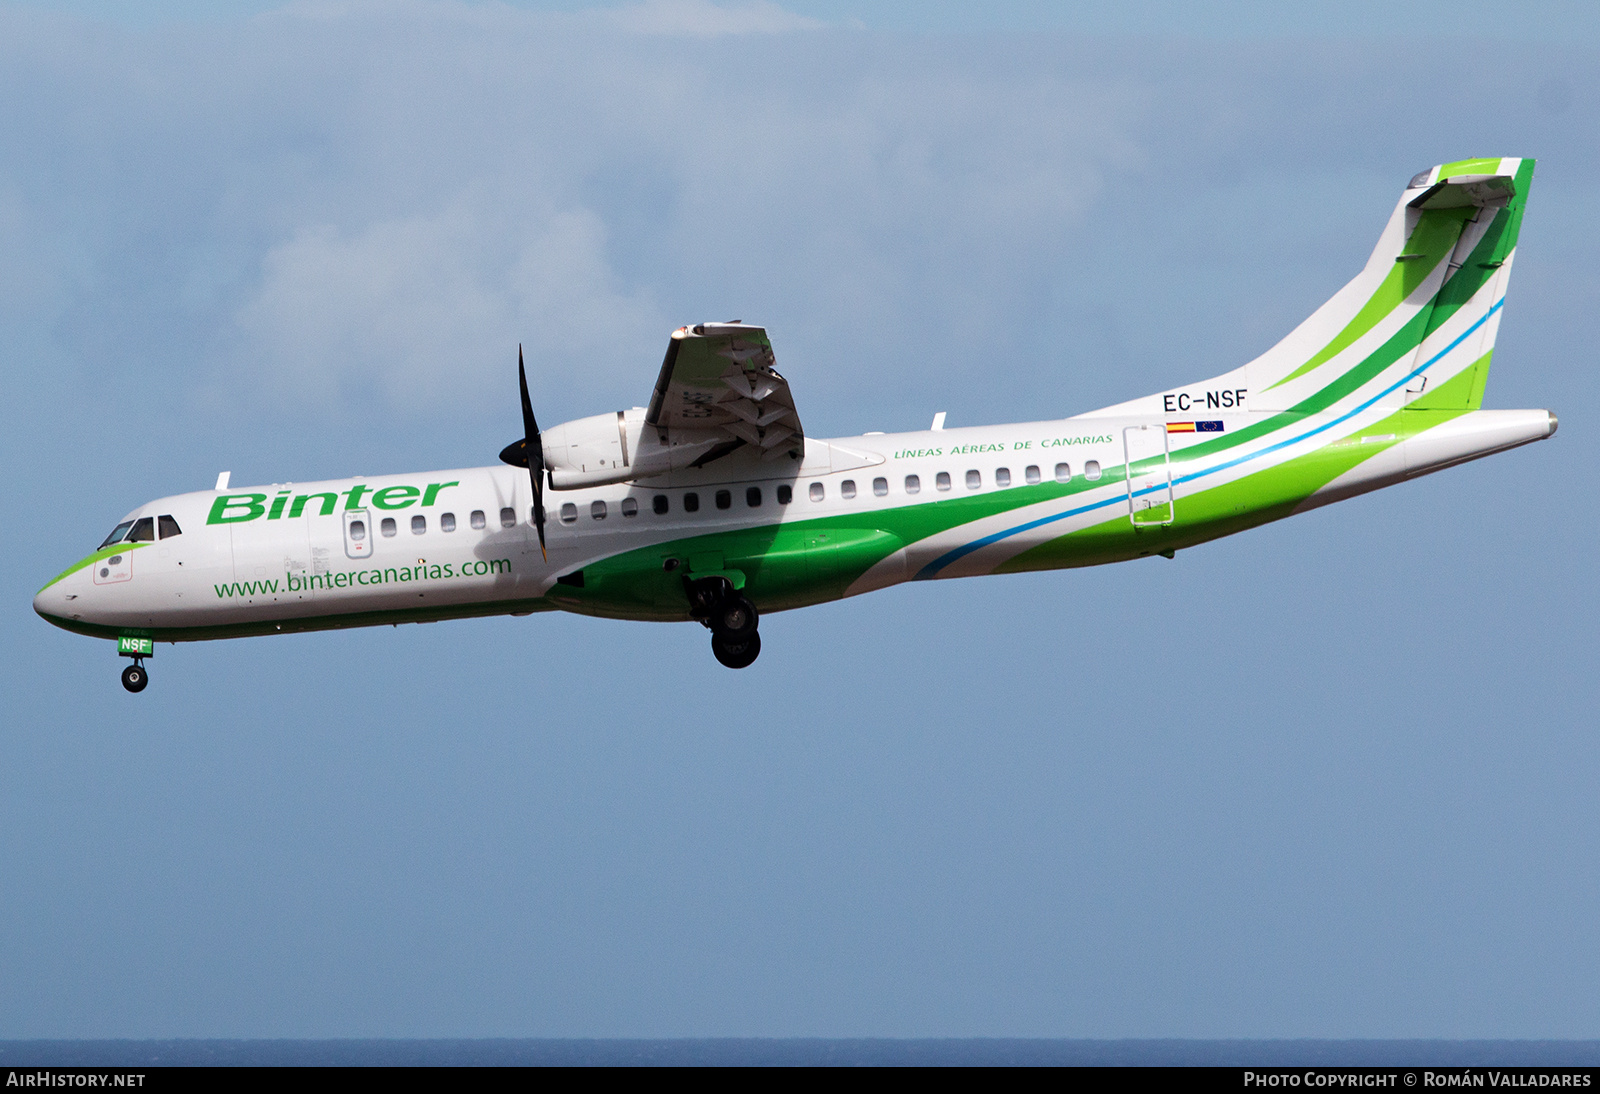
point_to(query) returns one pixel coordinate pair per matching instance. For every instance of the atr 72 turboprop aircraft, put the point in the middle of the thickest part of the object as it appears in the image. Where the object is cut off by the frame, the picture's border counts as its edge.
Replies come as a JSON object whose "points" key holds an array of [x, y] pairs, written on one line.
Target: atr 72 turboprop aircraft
{"points": [[713, 505]]}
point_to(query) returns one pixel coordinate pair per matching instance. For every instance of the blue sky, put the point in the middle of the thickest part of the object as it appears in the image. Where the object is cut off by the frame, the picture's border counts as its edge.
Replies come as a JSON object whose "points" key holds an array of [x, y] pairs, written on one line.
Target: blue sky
{"points": [[1330, 778]]}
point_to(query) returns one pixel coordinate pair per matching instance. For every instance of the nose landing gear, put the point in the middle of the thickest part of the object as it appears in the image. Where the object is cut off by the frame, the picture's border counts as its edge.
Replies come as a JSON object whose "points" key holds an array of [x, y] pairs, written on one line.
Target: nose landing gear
{"points": [[730, 617], [135, 676]]}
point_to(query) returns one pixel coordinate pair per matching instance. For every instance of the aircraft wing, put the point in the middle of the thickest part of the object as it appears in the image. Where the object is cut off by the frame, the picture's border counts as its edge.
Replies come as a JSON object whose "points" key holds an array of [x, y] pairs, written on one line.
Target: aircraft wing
{"points": [[719, 378]]}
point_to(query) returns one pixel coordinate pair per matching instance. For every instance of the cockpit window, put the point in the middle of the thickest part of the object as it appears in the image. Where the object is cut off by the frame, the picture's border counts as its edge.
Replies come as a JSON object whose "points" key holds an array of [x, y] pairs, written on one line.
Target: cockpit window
{"points": [[144, 530], [117, 533], [167, 526]]}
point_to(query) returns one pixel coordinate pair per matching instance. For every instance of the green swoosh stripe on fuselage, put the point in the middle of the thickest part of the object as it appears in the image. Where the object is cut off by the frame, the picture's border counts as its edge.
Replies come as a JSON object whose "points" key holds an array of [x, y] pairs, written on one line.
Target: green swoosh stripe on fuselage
{"points": [[1247, 502], [90, 560]]}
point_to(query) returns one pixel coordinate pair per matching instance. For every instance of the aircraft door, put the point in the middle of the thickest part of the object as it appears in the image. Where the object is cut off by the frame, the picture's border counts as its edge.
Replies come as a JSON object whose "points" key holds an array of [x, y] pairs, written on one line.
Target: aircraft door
{"points": [[1149, 478], [358, 532]]}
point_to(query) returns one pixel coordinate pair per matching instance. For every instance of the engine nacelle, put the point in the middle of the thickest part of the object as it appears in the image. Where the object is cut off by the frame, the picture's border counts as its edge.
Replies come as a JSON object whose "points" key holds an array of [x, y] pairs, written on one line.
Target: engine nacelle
{"points": [[590, 451], [607, 448]]}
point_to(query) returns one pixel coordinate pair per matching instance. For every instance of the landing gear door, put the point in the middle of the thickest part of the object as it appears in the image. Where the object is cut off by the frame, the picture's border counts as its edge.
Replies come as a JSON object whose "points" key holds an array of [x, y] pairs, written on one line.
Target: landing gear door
{"points": [[357, 533], [1150, 500]]}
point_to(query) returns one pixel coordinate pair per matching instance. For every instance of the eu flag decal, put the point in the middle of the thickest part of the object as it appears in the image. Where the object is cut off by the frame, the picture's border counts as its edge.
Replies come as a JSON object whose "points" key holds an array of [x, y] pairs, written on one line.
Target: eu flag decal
{"points": [[1194, 427]]}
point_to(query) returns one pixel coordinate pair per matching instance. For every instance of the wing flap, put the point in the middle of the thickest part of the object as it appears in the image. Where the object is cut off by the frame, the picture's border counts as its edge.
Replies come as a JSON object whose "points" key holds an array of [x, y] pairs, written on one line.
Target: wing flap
{"points": [[721, 377]]}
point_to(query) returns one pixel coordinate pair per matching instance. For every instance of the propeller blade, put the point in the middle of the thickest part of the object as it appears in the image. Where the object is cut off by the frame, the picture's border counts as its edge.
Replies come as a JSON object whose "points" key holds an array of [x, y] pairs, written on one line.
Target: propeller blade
{"points": [[533, 446]]}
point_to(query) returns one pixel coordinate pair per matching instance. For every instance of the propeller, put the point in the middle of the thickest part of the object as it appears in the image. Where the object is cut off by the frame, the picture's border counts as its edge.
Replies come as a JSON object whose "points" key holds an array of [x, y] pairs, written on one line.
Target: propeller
{"points": [[533, 447]]}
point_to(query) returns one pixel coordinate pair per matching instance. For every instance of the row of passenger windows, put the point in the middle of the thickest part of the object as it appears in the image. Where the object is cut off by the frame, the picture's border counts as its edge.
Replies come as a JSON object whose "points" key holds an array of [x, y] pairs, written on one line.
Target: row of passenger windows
{"points": [[388, 527], [974, 480], [722, 499], [145, 529]]}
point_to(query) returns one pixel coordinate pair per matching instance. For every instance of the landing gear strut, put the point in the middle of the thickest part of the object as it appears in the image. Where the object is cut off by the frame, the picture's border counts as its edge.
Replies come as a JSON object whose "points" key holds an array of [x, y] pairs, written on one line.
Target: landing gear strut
{"points": [[135, 676], [730, 617]]}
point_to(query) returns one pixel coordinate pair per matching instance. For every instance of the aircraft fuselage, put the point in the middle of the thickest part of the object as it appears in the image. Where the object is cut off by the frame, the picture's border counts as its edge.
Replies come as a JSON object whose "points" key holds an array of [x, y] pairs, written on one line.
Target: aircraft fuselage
{"points": [[861, 513]]}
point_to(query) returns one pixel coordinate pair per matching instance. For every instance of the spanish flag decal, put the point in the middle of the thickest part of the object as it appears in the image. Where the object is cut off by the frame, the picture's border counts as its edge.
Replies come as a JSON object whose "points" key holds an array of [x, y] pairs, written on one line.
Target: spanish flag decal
{"points": [[1194, 427]]}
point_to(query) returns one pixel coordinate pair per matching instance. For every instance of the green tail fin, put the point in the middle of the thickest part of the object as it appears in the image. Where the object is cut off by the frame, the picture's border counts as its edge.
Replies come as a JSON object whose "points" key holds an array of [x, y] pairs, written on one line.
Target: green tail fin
{"points": [[1427, 306]]}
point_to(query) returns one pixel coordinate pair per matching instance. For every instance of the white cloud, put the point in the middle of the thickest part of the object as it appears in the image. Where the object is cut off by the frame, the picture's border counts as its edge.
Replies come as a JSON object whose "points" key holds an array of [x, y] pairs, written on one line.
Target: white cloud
{"points": [[486, 176], [357, 200], [703, 19], [427, 310]]}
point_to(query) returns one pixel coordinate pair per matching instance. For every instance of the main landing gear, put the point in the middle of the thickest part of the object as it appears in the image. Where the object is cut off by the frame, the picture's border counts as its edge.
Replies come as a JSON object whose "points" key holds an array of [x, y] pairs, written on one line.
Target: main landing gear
{"points": [[736, 654], [730, 617]]}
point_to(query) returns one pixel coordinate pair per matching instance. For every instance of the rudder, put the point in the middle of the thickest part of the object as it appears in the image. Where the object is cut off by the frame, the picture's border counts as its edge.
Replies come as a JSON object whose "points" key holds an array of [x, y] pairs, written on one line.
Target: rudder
{"points": [[1425, 310]]}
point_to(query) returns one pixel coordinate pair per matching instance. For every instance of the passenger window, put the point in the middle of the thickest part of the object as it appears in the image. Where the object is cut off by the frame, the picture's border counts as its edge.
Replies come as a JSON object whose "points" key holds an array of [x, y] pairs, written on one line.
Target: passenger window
{"points": [[847, 489], [167, 526], [508, 517], [880, 487], [724, 499], [659, 503], [913, 484], [974, 480], [419, 524], [1063, 472], [479, 521], [752, 497], [358, 531], [597, 510], [818, 492], [630, 507], [569, 512], [144, 530], [942, 480], [691, 503], [1032, 474], [387, 527], [447, 522], [1091, 470], [1002, 476], [785, 494], [117, 533]]}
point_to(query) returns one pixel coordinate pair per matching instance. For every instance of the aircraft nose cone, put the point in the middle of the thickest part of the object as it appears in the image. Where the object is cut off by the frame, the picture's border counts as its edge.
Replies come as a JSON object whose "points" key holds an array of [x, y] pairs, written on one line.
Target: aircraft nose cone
{"points": [[49, 601], [1553, 423], [59, 600]]}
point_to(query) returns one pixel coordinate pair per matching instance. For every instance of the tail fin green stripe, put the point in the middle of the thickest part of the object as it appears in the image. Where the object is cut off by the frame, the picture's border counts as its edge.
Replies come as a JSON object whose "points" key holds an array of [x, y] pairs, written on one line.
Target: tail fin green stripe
{"points": [[1430, 243]]}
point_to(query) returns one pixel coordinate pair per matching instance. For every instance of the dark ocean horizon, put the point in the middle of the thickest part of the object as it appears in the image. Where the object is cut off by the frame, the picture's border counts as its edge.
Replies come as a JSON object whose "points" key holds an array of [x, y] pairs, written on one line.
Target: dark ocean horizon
{"points": [[757, 1051]]}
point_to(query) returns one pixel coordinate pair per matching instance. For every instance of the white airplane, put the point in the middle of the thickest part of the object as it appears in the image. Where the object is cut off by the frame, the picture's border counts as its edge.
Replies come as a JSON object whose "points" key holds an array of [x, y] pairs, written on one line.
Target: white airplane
{"points": [[713, 505]]}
